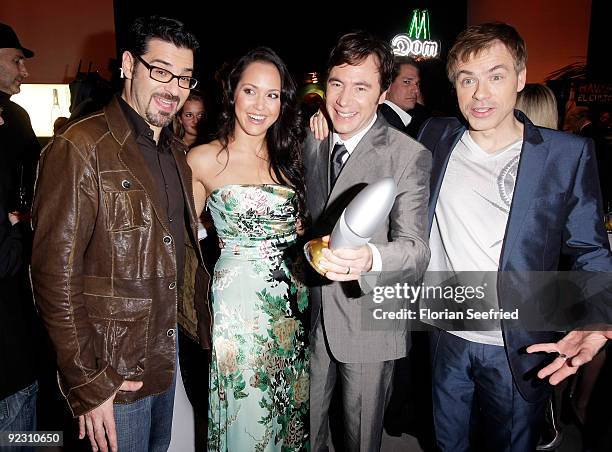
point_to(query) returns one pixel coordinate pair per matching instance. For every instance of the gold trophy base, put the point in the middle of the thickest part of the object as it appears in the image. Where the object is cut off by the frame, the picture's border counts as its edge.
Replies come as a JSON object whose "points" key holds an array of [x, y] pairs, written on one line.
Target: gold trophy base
{"points": [[314, 252]]}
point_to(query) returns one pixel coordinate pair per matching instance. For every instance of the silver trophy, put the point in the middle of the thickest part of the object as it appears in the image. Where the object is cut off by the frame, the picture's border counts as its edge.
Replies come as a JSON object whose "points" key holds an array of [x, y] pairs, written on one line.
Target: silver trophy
{"points": [[358, 222]]}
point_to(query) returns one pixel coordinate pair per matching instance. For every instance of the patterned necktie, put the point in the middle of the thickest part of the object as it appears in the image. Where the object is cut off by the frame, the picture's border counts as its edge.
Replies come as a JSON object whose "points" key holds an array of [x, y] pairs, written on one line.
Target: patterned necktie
{"points": [[337, 163]]}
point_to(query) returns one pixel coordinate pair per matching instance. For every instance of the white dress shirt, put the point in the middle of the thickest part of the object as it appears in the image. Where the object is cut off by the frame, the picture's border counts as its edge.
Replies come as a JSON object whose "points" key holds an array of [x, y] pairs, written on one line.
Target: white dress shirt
{"points": [[405, 117]]}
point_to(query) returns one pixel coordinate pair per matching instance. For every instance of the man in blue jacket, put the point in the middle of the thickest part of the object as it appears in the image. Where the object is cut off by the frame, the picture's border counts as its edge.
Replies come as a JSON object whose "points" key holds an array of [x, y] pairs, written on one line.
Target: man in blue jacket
{"points": [[505, 196]]}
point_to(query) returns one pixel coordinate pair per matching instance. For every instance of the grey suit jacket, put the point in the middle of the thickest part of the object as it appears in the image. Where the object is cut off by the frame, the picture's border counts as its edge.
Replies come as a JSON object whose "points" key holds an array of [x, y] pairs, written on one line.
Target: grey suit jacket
{"points": [[402, 240]]}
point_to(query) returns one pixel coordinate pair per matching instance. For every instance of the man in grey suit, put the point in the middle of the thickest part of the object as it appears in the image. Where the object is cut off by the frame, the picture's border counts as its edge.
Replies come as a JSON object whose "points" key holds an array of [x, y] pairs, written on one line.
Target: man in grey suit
{"points": [[362, 149]]}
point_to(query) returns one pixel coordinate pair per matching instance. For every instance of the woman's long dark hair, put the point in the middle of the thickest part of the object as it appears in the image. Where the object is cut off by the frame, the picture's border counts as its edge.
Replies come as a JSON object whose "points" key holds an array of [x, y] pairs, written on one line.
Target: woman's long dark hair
{"points": [[284, 137]]}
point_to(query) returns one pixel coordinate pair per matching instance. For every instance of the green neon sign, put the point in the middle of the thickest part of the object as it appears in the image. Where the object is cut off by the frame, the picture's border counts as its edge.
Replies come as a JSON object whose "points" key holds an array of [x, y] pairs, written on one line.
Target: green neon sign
{"points": [[419, 25]]}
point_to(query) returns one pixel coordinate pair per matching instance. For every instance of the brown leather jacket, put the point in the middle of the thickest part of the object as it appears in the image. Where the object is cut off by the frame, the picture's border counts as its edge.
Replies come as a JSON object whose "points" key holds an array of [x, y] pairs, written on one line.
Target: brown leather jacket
{"points": [[104, 265]]}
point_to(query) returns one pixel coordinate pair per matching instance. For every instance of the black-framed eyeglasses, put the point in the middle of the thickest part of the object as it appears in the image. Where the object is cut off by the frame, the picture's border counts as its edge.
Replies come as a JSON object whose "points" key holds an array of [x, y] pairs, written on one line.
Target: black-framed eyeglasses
{"points": [[162, 75]]}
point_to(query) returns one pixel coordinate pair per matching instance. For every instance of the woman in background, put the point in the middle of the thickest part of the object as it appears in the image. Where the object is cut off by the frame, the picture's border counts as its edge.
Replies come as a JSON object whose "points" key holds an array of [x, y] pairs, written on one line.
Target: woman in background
{"points": [[538, 102], [189, 121]]}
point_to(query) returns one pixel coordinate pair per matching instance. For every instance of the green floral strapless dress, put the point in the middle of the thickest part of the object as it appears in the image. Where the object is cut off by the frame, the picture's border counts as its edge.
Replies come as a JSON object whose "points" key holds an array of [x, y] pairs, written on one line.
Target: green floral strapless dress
{"points": [[259, 385]]}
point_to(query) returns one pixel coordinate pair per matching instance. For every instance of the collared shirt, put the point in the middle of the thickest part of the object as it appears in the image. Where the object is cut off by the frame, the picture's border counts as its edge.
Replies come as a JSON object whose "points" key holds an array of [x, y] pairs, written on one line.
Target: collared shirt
{"points": [[405, 117], [350, 145], [164, 171], [353, 141]]}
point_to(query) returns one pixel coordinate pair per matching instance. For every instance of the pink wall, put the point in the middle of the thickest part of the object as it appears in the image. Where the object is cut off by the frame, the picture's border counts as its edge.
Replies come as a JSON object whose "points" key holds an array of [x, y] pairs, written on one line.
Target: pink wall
{"points": [[556, 31], [60, 32]]}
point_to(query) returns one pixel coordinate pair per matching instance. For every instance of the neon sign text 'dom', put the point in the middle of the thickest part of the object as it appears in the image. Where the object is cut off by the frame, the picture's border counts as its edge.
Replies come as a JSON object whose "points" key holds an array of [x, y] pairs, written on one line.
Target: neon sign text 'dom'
{"points": [[417, 42]]}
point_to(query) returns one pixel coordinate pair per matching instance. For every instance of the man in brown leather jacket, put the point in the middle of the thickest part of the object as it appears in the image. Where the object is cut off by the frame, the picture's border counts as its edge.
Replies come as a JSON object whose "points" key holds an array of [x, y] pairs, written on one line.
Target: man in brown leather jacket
{"points": [[114, 227]]}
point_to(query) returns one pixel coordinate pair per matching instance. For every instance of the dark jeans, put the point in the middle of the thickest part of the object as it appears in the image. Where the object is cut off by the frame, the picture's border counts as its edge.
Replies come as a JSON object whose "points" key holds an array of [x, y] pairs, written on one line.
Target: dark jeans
{"points": [[18, 414], [145, 425], [476, 404]]}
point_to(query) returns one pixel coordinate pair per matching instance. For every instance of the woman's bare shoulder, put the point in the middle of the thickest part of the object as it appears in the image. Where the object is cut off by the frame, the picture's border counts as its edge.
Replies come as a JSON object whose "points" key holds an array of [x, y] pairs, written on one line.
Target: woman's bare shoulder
{"points": [[209, 155], [204, 150]]}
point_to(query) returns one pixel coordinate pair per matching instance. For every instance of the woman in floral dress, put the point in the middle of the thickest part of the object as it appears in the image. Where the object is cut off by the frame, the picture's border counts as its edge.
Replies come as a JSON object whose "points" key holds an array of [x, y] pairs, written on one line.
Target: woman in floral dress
{"points": [[251, 180]]}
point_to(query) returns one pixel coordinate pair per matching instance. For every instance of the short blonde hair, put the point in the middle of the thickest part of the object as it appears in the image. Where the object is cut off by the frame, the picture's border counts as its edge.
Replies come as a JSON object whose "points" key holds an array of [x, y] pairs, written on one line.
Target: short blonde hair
{"points": [[538, 102]]}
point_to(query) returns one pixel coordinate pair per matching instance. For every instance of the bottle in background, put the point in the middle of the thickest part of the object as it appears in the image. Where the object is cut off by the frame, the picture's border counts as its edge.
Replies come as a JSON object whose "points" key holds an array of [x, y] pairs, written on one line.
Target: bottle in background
{"points": [[55, 108], [22, 204], [608, 218]]}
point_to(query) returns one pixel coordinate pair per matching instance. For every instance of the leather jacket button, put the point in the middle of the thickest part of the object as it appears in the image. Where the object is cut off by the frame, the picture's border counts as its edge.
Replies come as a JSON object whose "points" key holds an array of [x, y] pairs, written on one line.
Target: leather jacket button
{"points": [[172, 285], [167, 240], [170, 332], [126, 184]]}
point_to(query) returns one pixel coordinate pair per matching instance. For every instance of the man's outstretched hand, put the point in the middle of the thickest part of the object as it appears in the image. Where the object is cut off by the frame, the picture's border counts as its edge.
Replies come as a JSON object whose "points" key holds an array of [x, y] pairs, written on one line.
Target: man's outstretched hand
{"points": [[578, 347]]}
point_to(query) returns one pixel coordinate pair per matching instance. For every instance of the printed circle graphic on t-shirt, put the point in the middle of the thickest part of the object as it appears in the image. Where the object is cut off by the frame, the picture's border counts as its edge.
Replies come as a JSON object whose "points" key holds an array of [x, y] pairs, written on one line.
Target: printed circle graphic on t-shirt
{"points": [[507, 179]]}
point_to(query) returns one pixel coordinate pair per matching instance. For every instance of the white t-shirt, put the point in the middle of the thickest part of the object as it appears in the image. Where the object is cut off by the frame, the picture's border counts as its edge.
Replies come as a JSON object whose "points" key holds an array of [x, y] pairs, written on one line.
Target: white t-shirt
{"points": [[471, 214]]}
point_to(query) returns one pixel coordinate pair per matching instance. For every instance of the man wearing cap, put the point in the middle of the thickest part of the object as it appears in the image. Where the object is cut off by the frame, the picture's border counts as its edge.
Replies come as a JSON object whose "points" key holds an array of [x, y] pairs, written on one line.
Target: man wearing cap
{"points": [[19, 147], [20, 338]]}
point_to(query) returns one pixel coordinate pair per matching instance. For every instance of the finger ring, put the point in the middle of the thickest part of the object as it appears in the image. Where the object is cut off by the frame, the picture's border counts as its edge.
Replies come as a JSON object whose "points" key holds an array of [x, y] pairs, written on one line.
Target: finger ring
{"points": [[348, 270], [563, 356], [317, 113]]}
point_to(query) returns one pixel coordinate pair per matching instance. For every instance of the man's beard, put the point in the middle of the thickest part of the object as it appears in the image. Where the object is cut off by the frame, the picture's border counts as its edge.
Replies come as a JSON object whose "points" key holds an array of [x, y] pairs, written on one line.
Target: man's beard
{"points": [[161, 118], [15, 87]]}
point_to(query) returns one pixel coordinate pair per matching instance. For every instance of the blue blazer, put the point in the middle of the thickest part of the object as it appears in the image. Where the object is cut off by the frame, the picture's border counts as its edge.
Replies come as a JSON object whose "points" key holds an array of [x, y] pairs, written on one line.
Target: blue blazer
{"points": [[556, 210]]}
